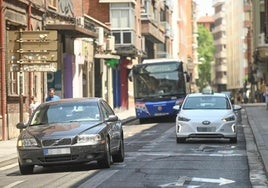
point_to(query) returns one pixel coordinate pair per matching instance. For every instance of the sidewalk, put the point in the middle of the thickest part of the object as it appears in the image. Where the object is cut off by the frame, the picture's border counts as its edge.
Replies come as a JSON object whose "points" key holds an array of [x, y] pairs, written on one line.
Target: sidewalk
{"points": [[257, 117], [8, 150]]}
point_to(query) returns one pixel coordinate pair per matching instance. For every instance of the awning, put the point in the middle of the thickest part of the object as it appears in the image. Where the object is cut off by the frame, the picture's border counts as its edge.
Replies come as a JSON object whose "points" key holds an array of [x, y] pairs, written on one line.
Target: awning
{"points": [[106, 56], [72, 30]]}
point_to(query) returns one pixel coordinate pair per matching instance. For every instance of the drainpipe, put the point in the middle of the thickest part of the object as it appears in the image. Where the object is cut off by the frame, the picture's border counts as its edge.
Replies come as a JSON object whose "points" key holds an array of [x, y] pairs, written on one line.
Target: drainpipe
{"points": [[3, 70], [29, 23]]}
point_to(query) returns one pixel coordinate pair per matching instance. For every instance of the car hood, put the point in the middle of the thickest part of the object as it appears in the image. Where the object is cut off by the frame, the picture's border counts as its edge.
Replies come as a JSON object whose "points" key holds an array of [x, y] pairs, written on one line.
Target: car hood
{"points": [[63, 129], [206, 114]]}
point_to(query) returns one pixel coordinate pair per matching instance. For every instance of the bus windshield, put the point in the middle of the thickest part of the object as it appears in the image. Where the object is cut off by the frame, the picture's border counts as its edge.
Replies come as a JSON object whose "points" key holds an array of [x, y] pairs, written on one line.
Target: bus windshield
{"points": [[158, 80]]}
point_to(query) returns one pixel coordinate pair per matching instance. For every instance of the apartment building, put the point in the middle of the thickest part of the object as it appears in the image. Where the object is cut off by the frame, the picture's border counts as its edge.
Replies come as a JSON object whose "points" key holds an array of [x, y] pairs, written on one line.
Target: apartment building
{"points": [[219, 34], [260, 42]]}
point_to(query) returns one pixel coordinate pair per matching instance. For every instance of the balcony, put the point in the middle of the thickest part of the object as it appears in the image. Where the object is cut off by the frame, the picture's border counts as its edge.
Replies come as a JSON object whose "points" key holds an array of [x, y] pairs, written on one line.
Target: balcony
{"points": [[125, 42], [221, 54], [152, 32], [162, 54], [221, 68], [261, 50], [222, 80], [167, 29]]}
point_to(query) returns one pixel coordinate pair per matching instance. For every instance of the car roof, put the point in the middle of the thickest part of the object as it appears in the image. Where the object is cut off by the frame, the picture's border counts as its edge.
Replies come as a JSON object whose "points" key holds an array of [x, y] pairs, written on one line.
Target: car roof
{"points": [[206, 94], [160, 60], [73, 100]]}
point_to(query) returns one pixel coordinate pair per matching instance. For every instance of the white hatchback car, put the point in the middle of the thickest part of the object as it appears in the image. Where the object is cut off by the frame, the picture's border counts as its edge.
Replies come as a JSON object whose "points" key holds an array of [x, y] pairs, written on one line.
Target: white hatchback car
{"points": [[206, 115]]}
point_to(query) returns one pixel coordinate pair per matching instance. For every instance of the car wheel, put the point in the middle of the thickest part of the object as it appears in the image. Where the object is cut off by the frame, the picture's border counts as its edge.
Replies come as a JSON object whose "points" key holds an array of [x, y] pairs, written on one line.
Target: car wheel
{"points": [[106, 161], [120, 155], [181, 140], [26, 169], [233, 140]]}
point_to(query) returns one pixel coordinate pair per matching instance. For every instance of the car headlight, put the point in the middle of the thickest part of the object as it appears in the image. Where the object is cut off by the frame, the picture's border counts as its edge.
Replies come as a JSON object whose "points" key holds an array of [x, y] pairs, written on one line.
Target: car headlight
{"points": [[88, 139], [230, 118], [27, 142], [181, 118]]}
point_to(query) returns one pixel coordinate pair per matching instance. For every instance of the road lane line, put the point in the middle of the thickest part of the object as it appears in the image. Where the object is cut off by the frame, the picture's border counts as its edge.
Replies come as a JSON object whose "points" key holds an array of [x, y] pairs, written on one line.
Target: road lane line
{"points": [[8, 167], [13, 184]]}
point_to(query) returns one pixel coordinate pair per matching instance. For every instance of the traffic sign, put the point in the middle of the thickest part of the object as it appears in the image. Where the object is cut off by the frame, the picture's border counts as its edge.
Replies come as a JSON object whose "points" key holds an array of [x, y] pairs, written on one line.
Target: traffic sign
{"points": [[33, 50]]}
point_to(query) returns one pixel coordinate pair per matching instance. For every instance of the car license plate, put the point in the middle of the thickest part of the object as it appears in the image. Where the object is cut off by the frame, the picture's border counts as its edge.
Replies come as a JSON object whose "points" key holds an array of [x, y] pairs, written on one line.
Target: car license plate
{"points": [[161, 114], [205, 129], [57, 151]]}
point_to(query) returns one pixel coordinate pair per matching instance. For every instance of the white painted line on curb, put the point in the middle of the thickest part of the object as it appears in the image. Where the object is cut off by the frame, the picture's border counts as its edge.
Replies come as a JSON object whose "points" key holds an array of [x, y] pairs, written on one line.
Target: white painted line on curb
{"points": [[8, 167], [13, 184]]}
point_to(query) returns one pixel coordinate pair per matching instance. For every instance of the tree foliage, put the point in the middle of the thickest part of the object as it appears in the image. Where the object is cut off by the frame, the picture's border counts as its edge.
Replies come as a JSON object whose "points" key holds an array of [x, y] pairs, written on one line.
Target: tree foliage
{"points": [[205, 56]]}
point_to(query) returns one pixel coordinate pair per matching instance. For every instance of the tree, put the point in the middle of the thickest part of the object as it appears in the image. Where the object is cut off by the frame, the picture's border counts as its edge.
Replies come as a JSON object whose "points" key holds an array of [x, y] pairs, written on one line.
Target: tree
{"points": [[205, 56]]}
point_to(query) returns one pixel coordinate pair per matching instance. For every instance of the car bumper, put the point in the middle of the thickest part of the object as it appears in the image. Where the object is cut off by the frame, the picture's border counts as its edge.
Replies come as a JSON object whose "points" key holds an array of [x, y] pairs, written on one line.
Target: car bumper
{"points": [[226, 130], [74, 154]]}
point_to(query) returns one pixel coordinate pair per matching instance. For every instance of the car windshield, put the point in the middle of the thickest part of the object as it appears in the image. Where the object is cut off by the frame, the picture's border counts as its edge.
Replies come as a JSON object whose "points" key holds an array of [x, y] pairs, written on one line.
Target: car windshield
{"points": [[69, 112], [207, 102]]}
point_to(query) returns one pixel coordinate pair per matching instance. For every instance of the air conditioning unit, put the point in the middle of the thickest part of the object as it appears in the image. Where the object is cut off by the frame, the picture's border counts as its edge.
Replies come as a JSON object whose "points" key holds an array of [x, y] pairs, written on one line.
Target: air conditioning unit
{"points": [[80, 21], [110, 44], [100, 39]]}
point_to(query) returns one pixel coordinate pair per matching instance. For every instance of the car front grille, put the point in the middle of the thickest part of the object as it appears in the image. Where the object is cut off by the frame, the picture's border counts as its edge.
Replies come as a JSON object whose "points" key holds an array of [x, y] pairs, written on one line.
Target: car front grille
{"points": [[57, 142], [59, 158]]}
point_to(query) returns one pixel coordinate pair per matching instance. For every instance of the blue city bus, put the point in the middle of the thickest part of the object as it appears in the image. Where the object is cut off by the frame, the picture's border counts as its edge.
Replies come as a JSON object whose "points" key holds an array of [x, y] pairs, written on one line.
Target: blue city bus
{"points": [[159, 84]]}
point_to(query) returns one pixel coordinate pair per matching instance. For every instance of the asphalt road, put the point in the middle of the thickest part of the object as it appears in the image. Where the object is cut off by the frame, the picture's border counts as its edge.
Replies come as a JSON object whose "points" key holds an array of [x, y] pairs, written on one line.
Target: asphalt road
{"points": [[153, 159]]}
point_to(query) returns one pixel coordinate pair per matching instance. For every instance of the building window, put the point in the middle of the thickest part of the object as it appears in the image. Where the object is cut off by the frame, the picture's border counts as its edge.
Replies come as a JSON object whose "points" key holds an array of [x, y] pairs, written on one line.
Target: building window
{"points": [[123, 37], [122, 15], [127, 37], [14, 83]]}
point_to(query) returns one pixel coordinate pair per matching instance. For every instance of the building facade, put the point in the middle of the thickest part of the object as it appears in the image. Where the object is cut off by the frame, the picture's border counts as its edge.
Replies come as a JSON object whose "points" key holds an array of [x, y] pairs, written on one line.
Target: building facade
{"points": [[49, 44], [260, 43], [219, 34], [82, 48]]}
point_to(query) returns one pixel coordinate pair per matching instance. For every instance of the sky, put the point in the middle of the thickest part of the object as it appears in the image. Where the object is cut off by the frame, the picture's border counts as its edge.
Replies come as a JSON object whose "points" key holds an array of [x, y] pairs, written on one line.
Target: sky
{"points": [[205, 7]]}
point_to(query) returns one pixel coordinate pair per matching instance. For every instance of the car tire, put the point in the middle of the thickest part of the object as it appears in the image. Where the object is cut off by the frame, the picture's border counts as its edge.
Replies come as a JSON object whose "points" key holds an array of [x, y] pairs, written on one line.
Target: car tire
{"points": [[181, 140], [233, 140], [120, 155], [26, 169], [106, 161]]}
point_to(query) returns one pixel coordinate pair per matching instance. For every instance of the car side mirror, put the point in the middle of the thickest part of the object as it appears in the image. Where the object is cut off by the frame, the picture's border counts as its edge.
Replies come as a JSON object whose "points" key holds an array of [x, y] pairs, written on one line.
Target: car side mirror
{"points": [[112, 118], [177, 107], [237, 107], [21, 125]]}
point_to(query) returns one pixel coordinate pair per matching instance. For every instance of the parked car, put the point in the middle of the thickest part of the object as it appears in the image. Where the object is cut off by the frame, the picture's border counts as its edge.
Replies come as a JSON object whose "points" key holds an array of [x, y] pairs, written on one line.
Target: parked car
{"points": [[206, 115], [70, 131]]}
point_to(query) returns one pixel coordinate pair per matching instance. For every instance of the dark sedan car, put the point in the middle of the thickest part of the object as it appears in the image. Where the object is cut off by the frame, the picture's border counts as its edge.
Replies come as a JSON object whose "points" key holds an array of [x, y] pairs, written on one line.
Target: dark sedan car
{"points": [[70, 131]]}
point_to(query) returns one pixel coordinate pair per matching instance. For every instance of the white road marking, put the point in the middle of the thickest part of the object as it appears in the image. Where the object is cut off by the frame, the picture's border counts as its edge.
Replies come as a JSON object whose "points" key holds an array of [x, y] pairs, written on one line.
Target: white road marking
{"points": [[8, 166], [13, 184], [169, 154], [220, 181], [183, 179]]}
